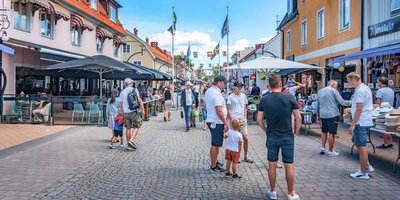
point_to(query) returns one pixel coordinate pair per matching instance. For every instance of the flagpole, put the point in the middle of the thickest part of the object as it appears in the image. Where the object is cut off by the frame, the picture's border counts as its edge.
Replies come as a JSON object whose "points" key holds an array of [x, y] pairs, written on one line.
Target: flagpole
{"points": [[173, 58], [219, 60], [227, 47]]}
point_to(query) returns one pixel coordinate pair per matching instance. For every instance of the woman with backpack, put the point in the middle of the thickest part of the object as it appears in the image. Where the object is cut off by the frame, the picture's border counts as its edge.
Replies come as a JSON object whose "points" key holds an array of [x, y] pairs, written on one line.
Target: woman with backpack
{"points": [[112, 109], [168, 99]]}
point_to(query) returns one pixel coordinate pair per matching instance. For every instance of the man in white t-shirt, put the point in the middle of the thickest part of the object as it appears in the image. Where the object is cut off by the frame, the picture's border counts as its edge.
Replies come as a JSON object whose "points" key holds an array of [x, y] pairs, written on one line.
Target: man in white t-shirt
{"points": [[361, 110], [216, 120], [237, 109], [133, 118]]}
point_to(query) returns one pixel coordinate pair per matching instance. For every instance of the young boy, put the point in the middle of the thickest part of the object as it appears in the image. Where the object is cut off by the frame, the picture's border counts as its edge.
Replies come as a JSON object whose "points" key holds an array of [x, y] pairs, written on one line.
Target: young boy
{"points": [[118, 132], [233, 148]]}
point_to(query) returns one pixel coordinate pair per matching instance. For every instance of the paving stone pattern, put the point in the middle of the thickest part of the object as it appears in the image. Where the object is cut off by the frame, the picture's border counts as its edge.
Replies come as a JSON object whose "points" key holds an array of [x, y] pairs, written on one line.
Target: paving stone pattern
{"points": [[172, 164]]}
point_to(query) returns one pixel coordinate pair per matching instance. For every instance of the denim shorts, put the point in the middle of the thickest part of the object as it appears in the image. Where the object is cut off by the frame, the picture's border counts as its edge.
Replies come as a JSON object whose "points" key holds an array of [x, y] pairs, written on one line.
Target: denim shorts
{"points": [[283, 143], [217, 135], [360, 135]]}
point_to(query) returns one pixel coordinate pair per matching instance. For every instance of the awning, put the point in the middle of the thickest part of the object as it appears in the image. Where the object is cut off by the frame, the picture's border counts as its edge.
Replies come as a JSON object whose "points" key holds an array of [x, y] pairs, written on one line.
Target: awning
{"points": [[285, 72], [77, 21], [378, 51], [118, 40], [57, 56], [103, 33], [59, 12], [7, 49], [157, 75]]}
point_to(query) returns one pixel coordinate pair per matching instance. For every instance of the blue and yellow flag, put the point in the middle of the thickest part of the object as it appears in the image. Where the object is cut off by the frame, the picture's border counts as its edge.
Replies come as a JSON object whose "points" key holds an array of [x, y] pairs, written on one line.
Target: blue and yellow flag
{"points": [[225, 27], [215, 52], [174, 20]]}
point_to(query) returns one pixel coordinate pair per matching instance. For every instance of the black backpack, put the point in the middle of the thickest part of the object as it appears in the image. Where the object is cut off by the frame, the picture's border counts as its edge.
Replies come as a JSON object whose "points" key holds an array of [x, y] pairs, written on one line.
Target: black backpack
{"points": [[167, 95], [133, 101]]}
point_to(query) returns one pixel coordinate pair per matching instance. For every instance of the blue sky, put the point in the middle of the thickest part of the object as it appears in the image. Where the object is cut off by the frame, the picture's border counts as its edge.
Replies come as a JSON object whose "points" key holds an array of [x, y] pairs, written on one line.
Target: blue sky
{"points": [[200, 22]]}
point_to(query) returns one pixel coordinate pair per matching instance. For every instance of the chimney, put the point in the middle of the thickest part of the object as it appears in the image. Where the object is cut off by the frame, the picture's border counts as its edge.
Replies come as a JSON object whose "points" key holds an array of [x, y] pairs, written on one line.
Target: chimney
{"points": [[258, 46], [154, 44], [165, 52], [135, 31], [147, 40]]}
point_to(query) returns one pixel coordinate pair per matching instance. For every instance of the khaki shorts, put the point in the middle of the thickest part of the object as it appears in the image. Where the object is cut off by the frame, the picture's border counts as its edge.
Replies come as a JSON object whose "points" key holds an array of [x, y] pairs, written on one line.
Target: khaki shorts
{"points": [[132, 120], [243, 127]]}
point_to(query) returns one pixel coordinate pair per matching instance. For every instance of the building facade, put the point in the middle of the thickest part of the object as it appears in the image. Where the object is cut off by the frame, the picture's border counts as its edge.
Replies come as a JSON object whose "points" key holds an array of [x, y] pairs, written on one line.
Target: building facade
{"points": [[45, 32], [315, 32]]}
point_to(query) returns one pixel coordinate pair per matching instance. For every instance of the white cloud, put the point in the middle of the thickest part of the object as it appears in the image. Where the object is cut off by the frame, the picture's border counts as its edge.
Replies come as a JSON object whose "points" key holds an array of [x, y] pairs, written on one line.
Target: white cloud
{"points": [[199, 41], [266, 39]]}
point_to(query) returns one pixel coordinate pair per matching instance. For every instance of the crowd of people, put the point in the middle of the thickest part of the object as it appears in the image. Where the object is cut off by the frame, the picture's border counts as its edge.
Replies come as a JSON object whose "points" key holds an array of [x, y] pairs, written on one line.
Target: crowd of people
{"points": [[225, 116]]}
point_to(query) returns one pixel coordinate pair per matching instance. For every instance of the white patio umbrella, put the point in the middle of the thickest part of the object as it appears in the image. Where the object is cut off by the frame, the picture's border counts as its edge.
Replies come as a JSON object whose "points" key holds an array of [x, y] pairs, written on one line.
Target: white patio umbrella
{"points": [[272, 63]]}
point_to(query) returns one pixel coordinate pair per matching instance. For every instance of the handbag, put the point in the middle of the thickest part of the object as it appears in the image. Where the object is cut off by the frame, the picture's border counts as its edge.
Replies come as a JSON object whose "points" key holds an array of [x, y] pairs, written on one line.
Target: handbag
{"points": [[119, 119], [196, 113]]}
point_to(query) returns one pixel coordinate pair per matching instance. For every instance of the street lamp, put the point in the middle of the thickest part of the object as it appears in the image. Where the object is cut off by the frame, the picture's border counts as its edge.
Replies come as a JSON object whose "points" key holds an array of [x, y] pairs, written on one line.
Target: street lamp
{"points": [[3, 77]]}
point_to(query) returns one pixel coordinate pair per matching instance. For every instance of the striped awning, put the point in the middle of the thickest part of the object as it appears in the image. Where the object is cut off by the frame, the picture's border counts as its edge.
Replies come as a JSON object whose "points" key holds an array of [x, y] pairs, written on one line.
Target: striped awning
{"points": [[59, 12], [103, 33], [77, 21], [118, 40], [43, 5]]}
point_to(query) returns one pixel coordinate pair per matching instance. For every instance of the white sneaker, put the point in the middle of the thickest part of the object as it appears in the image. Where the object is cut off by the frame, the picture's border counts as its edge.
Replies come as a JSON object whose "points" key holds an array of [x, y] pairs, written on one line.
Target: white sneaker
{"points": [[322, 151], [333, 153], [359, 175], [370, 169], [294, 197], [272, 195]]}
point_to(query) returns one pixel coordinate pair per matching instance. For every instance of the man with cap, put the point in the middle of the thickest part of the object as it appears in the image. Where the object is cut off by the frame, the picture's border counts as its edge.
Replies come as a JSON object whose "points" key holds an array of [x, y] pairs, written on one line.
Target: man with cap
{"points": [[216, 119], [187, 101], [145, 93], [237, 109], [133, 119]]}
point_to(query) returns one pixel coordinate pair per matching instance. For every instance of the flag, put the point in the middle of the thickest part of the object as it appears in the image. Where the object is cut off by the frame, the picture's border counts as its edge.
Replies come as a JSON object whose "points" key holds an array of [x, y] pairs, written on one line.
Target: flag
{"points": [[215, 52], [171, 30], [174, 20], [195, 54], [224, 53], [225, 27], [188, 52], [209, 53]]}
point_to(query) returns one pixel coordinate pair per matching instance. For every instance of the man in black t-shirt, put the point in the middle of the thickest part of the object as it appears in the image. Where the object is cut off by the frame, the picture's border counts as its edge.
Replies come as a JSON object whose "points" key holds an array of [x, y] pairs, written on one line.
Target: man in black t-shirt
{"points": [[278, 108]]}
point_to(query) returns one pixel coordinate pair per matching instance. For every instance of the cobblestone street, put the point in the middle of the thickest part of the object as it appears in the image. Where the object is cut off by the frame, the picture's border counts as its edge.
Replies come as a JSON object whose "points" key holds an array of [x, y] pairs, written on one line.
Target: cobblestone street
{"points": [[172, 164]]}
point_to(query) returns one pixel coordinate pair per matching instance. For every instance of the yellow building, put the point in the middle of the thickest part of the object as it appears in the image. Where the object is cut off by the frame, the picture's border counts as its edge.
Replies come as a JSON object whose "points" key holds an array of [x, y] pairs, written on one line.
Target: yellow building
{"points": [[315, 32], [145, 53]]}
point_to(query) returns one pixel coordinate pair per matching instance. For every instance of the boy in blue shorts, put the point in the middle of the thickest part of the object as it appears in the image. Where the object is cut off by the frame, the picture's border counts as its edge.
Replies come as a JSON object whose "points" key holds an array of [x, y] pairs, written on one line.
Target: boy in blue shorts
{"points": [[118, 132]]}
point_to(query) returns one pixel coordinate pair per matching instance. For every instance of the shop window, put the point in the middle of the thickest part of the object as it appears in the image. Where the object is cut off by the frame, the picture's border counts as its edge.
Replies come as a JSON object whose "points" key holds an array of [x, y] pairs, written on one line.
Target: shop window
{"points": [[113, 14], [115, 50], [46, 25], [289, 41], [75, 35], [344, 14], [21, 16], [395, 6], [321, 24], [99, 45], [126, 48], [93, 4], [304, 33], [137, 62]]}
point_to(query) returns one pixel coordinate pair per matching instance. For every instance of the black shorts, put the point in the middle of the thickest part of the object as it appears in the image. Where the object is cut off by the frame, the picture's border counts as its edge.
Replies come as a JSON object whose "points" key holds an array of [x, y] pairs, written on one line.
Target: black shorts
{"points": [[118, 133], [329, 125]]}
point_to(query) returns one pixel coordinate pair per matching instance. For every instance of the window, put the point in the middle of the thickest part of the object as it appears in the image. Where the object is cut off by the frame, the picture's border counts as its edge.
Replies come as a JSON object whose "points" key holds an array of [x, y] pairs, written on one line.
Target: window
{"points": [[137, 62], [46, 25], [395, 6], [21, 17], [113, 14], [304, 33], [321, 24], [289, 41], [99, 45], [290, 6], [93, 4], [115, 50], [126, 48], [344, 14], [75, 35]]}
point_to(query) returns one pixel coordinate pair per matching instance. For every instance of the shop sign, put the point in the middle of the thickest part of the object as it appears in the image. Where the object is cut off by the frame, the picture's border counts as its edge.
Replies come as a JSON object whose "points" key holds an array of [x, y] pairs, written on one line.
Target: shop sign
{"points": [[383, 28], [4, 22]]}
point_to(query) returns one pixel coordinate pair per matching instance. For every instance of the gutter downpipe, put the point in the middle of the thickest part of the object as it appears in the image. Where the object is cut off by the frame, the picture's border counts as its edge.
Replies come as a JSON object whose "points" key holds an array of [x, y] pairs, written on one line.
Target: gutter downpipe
{"points": [[363, 68]]}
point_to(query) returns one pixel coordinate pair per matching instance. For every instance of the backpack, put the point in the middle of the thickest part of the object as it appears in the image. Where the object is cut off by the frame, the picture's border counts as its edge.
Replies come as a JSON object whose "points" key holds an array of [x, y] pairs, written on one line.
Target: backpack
{"points": [[167, 95], [133, 101]]}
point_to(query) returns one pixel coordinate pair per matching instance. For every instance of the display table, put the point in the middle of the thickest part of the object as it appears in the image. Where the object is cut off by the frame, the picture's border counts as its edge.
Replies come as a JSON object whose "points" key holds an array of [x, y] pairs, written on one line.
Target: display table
{"points": [[398, 143], [307, 120]]}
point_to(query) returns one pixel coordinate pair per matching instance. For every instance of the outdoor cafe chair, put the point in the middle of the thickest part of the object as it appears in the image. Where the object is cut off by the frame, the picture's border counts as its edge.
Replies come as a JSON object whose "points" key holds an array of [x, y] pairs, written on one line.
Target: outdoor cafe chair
{"points": [[78, 109], [93, 111]]}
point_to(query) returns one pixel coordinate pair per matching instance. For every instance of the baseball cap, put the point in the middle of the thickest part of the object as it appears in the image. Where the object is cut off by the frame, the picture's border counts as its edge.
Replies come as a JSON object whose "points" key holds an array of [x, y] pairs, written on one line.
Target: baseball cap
{"points": [[220, 78], [237, 84], [128, 80]]}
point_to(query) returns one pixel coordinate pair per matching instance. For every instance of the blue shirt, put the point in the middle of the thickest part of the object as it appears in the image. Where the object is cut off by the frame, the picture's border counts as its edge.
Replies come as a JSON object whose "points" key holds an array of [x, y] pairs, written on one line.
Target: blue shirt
{"points": [[328, 100]]}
